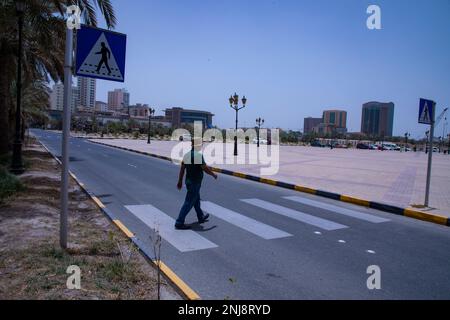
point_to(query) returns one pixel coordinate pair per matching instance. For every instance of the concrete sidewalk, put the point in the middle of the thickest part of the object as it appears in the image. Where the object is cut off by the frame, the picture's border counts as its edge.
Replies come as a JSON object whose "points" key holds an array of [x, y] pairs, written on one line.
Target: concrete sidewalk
{"points": [[391, 177]]}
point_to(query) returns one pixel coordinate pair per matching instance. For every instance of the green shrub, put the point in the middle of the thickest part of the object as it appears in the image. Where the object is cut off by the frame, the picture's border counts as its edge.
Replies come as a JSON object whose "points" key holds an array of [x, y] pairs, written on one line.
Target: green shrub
{"points": [[9, 184]]}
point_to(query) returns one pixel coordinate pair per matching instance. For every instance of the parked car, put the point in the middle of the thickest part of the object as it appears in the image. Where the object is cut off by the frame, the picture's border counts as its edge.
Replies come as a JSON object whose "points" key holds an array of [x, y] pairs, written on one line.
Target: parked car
{"points": [[362, 146], [385, 147], [261, 141], [391, 146], [316, 144]]}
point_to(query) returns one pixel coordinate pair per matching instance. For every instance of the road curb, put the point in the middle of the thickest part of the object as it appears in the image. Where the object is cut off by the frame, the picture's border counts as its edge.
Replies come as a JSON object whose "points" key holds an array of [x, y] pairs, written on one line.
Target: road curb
{"points": [[171, 276], [406, 212]]}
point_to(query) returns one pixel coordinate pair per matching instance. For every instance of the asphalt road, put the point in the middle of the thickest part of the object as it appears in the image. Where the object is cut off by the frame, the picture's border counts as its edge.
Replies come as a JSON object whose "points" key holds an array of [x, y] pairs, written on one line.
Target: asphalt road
{"points": [[264, 242]]}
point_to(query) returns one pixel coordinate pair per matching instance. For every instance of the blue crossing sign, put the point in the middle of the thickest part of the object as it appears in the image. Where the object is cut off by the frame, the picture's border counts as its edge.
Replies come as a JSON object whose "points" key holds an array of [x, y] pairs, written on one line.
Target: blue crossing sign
{"points": [[100, 54], [426, 111]]}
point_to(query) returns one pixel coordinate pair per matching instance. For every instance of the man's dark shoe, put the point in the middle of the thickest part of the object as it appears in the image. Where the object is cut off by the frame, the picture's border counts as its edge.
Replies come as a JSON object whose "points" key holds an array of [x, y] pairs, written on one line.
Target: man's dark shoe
{"points": [[182, 227], [204, 219]]}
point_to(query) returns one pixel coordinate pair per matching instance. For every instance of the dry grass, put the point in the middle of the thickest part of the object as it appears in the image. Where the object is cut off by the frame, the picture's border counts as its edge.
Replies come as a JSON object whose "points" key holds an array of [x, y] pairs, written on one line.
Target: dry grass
{"points": [[32, 266]]}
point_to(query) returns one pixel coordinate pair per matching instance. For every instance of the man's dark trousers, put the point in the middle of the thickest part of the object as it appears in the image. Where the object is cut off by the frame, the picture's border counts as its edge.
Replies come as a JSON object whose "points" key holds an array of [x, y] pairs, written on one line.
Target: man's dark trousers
{"points": [[192, 200]]}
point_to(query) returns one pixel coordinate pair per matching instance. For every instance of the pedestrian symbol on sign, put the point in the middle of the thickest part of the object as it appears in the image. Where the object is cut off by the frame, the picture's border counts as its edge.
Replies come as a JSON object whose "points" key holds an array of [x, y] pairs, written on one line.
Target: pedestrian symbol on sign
{"points": [[424, 117], [106, 55]]}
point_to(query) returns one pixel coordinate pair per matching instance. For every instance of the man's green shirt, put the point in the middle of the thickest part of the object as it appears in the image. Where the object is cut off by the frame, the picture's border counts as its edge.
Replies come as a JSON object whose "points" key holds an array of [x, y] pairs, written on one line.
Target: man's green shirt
{"points": [[193, 161]]}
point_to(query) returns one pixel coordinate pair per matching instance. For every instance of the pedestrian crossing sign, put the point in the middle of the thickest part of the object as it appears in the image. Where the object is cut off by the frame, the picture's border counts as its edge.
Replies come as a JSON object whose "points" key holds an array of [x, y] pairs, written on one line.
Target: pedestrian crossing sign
{"points": [[426, 111], [100, 54]]}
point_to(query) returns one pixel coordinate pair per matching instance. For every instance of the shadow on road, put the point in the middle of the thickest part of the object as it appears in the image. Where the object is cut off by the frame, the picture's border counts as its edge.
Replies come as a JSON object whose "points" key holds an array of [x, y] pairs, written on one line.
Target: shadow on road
{"points": [[200, 228]]}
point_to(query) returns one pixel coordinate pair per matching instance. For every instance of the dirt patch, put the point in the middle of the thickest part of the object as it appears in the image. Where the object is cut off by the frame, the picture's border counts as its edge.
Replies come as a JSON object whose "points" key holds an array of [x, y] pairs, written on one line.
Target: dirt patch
{"points": [[32, 265]]}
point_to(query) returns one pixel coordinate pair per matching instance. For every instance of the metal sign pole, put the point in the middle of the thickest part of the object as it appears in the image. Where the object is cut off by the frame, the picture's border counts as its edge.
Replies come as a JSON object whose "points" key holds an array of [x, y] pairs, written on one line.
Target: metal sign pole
{"points": [[65, 137], [430, 158]]}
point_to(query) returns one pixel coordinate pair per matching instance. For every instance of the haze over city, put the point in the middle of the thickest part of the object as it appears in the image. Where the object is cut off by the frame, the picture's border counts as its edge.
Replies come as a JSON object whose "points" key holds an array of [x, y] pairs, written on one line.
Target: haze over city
{"points": [[117, 184], [292, 59]]}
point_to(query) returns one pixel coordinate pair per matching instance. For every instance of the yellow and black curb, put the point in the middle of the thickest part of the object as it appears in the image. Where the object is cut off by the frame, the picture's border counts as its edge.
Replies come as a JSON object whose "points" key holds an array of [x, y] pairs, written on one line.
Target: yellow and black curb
{"points": [[171, 276], [407, 212]]}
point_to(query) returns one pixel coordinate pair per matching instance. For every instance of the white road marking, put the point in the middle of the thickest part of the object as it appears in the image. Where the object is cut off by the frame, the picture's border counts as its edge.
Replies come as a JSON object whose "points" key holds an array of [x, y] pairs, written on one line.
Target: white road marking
{"points": [[258, 228], [341, 241], [131, 165], [371, 251], [318, 232], [337, 209], [297, 215], [183, 240]]}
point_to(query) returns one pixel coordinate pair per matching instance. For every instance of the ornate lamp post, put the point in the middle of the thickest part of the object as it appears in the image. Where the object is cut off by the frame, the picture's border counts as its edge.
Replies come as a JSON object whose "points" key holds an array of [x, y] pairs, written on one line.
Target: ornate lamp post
{"points": [[17, 165], [151, 112], [259, 122], [234, 104]]}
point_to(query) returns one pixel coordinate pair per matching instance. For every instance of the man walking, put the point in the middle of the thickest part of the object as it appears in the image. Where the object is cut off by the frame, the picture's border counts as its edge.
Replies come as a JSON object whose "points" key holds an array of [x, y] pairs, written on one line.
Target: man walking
{"points": [[194, 165], [106, 55]]}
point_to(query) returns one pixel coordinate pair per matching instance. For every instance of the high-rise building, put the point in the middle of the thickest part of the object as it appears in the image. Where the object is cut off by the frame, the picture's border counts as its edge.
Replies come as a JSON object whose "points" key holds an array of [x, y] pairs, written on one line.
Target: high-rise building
{"points": [[377, 119], [57, 98], [309, 123], [335, 118], [87, 92], [333, 121], [118, 99]]}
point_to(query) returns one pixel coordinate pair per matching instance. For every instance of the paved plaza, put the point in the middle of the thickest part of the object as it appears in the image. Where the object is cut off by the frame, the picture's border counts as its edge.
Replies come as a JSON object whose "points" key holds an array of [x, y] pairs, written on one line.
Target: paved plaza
{"points": [[391, 177]]}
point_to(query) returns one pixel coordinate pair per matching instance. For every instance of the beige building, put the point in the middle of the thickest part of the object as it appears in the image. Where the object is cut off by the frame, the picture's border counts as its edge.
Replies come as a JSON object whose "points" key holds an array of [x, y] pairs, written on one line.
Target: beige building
{"points": [[101, 106], [118, 99]]}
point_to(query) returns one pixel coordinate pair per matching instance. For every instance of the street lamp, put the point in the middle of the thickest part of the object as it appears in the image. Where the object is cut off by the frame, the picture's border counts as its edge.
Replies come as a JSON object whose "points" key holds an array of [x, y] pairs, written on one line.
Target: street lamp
{"points": [[17, 165], [151, 112], [259, 122], [234, 104], [407, 134]]}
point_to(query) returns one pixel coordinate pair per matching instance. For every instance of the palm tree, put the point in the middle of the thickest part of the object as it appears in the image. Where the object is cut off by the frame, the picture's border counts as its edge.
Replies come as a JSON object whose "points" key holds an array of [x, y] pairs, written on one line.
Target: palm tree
{"points": [[43, 47], [35, 99]]}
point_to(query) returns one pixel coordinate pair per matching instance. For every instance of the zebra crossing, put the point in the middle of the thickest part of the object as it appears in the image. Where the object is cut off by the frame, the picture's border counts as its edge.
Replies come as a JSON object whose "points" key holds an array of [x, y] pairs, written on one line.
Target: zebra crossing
{"points": [[154, 218], [296, 215], [189, 240]]}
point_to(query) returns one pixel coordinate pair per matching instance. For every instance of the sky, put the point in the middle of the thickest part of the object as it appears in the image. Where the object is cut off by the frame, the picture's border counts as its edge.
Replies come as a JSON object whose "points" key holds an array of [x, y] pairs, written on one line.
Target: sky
{"points": [[290, 58]]}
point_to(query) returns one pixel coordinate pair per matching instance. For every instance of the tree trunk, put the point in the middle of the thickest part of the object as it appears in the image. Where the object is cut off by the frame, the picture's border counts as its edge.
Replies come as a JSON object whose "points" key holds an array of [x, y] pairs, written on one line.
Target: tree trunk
{"points": [[4, 104]]}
